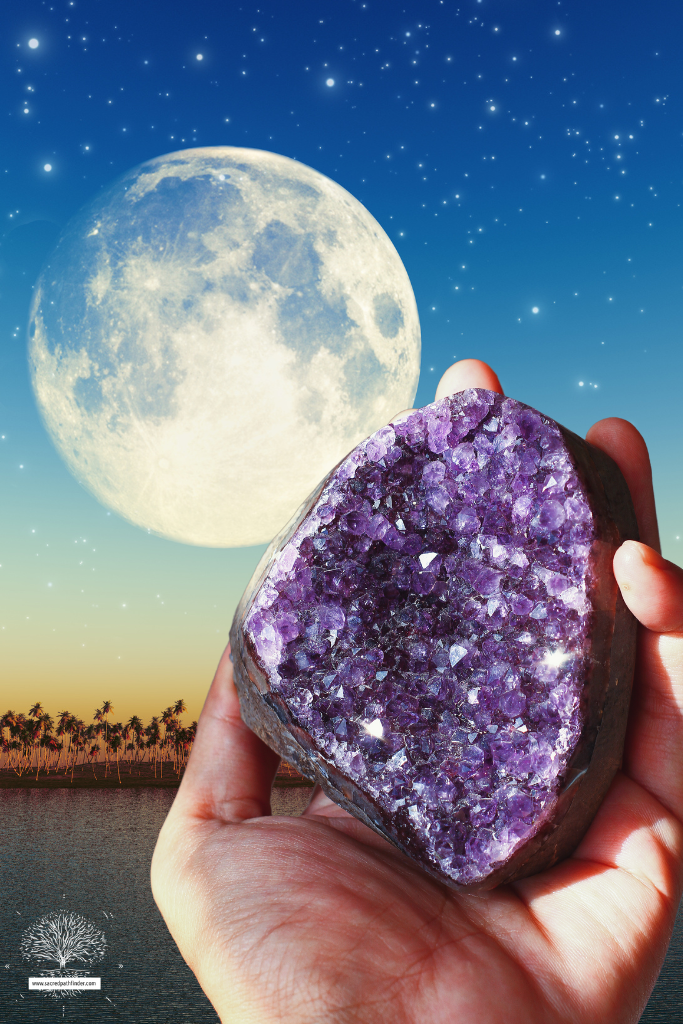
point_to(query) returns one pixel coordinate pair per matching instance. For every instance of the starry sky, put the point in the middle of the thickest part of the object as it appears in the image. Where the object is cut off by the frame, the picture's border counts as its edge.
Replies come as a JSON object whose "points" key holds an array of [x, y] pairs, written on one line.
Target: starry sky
{"points": [[524, 157]]}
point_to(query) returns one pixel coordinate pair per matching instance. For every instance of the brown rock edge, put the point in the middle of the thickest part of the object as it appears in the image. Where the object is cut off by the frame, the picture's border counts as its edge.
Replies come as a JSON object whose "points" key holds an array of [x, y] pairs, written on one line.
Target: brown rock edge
{"points": [[608, 689]]}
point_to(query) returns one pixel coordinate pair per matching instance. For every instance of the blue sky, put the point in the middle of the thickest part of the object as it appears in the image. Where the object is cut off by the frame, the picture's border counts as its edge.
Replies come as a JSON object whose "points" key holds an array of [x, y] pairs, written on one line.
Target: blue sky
{"points": [[523, 157]]}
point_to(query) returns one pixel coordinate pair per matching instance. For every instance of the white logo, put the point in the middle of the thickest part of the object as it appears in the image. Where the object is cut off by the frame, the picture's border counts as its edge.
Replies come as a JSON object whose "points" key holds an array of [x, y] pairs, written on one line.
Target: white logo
{"points": [[63, 938]]}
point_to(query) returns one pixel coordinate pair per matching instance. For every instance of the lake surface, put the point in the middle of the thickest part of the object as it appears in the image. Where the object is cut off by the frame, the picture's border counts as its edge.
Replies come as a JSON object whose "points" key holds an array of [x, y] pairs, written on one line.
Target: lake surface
{"points": [[88, 852]]}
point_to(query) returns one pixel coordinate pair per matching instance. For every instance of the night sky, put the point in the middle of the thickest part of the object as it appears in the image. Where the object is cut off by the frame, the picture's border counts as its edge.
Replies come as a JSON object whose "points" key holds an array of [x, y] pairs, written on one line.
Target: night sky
{"points": [[523, 156]]}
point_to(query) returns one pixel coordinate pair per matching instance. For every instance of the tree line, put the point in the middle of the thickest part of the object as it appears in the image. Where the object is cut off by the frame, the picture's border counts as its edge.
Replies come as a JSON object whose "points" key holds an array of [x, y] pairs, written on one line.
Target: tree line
{"points": [[35, 742]]}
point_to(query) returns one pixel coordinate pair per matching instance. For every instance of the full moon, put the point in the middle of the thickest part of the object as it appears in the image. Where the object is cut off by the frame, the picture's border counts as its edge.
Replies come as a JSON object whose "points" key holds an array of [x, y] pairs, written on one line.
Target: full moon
{"points": [[212, 334]]}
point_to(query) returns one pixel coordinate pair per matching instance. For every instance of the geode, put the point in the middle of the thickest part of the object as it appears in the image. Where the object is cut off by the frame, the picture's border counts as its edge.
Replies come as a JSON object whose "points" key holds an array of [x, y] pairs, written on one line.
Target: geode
{"points": [[437, 637]]}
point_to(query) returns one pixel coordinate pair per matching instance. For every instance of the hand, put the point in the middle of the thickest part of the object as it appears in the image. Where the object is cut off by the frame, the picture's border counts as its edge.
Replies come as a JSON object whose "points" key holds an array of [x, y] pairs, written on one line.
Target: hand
{"points": [[316, 919]]}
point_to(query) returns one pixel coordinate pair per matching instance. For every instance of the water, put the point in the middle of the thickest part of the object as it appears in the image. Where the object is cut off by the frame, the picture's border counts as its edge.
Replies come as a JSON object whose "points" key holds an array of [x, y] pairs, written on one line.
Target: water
{"points": [[88, 852]]}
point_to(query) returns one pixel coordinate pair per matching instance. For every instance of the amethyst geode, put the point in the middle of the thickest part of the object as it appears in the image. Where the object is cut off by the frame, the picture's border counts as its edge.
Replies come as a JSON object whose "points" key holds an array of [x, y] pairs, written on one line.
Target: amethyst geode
{"points": [[438, 639]]}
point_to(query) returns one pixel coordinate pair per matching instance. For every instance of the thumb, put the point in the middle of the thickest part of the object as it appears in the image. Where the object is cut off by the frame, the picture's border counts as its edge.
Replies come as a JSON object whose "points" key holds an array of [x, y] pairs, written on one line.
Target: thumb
{"points": [[230, 770], [651, 586], [653, 755]]}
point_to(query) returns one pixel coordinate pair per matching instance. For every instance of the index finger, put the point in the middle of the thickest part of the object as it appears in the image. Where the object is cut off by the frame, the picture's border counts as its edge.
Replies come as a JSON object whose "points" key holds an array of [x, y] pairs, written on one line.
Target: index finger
{"points": [[468, 373], [623, 443]]}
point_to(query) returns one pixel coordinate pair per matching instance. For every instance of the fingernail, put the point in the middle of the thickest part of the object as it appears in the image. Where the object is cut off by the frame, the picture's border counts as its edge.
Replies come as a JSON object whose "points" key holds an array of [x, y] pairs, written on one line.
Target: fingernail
{"points": [[647, 555], [634, 549]]}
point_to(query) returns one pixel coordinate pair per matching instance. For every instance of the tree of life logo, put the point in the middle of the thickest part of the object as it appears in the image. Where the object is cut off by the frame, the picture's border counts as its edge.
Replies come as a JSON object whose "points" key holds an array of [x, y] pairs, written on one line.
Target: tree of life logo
{"points": [[63, 938]]}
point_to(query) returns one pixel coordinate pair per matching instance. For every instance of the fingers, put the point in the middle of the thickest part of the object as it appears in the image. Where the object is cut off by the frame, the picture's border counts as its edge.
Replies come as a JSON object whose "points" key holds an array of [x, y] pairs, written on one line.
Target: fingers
{"points": [[467, 373], [653, 590], [618, 892], [230, 771], [651, 586], [625, 445]]}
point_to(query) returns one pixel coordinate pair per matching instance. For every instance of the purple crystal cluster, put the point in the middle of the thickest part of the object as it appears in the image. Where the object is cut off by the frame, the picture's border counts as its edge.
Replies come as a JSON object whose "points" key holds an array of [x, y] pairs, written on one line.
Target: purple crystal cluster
{"points": [[428, 625]]}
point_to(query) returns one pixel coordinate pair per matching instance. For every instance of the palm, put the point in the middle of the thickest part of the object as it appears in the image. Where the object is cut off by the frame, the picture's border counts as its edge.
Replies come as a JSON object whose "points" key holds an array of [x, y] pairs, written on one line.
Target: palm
{"points": [[318, 919]]}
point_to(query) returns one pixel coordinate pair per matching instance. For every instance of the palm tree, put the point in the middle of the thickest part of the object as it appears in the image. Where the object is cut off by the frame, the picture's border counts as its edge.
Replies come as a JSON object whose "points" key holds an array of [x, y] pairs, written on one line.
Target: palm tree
{"points": [[63, 727], [15, 745], [33, 731], [90, 734], [124, 733], [53, 747], [35, 712], [139, 747], [92, 754], [99, 728], [23, 737], [182, 743], [116, 744], [152, 733], [22, 740], [107, 708], [7, 721], [169, 725], [45, 722], [179, 708], [78, 747], [72, 727], [136, 727], [188, 739], [79, 736]]}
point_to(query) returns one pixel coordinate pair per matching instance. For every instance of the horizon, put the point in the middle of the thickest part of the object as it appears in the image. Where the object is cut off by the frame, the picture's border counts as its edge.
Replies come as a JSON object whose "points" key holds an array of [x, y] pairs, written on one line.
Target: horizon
{"points": [[525, 164]]}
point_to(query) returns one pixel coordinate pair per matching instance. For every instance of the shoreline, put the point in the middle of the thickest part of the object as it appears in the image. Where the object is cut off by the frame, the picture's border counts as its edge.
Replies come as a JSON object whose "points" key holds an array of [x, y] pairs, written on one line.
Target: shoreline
{"points": [[132, 776]]}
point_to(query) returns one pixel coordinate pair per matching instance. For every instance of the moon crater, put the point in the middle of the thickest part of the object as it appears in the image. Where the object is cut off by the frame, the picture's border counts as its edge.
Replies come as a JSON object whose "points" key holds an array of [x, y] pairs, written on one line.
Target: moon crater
{"points": [[212, 334]]}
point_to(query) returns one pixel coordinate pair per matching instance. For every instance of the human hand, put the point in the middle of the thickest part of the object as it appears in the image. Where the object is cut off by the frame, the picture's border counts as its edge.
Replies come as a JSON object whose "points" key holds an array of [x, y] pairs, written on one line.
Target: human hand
{"points": [[317, 919]]}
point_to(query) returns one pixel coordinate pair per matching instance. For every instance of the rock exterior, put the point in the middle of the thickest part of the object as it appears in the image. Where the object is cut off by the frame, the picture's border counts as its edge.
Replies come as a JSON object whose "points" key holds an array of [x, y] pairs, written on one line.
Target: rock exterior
{"points": [[438, 639]]}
